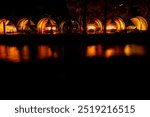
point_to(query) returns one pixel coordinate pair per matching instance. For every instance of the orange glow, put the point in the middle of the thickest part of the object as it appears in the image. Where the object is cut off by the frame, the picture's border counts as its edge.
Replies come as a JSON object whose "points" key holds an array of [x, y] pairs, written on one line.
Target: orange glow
{"points": [[111, 27], [91, 27], [131, 28], [25, 53], [3, 54], [139, 23], [25, 24], [115, 25], [47, 25], [48, 28], [55, 55], [7, 26], [94, 51], [109, 52], [13, 54], [44, 52], [114, 51], [94, 26], [132, 49], [120, 24], [91, 51], [99, 50]]}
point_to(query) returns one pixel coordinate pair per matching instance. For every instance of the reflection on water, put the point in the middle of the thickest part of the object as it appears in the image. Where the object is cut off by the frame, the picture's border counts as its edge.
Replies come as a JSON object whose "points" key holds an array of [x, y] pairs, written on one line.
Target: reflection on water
{"points": [[3, 52], [44, 52], [132, 49], [127, 50], [94, 50], [13, 54], [26, 53], [114, 51]]}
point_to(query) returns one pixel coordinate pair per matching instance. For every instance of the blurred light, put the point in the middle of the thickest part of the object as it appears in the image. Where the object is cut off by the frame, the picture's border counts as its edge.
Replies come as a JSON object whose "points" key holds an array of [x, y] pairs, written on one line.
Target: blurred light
{"points": [[26, 53], [3, 54], [7, 27], [139, 23], [115, 25], [114, 51], [91, 27], [25, 24], [13, 54], [94, 26], [44, 52], [91, 51], [131, 50], [111, 27], [109, 52], [46, 26]]}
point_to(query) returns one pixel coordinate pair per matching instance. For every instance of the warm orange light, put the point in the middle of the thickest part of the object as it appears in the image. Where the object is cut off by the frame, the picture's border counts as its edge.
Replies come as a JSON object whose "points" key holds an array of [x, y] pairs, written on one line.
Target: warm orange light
{"points": [[46, 25], [25, 24], [132, 49], [140, 23], [91, 27], [25, 53], [114, 51], [115, 25], [11, 29], [109, 52], [111, 27], [3, 54], [7, 27], [48, 28], [13, 54], [94, 26], [99, 50], [44, 52], [91, 51]]}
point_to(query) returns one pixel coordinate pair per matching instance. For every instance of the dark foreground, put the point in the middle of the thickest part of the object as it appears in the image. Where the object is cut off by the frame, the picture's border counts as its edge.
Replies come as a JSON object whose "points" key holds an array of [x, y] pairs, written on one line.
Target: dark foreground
{"points": [[77, 77]]}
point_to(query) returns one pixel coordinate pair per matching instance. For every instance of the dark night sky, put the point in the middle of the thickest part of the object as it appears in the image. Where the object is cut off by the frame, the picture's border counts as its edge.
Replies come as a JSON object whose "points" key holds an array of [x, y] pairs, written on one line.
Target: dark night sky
{"points": [[33, 8], [36, 7]]}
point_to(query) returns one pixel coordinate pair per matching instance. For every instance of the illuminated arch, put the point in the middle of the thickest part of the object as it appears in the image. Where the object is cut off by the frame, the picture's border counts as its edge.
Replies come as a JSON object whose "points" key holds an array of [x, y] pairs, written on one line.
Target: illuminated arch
{"points": [[47, 25], [25, 24], [94, 25], [6, 26], [115, 25], [139, 23], [71, 26]]}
